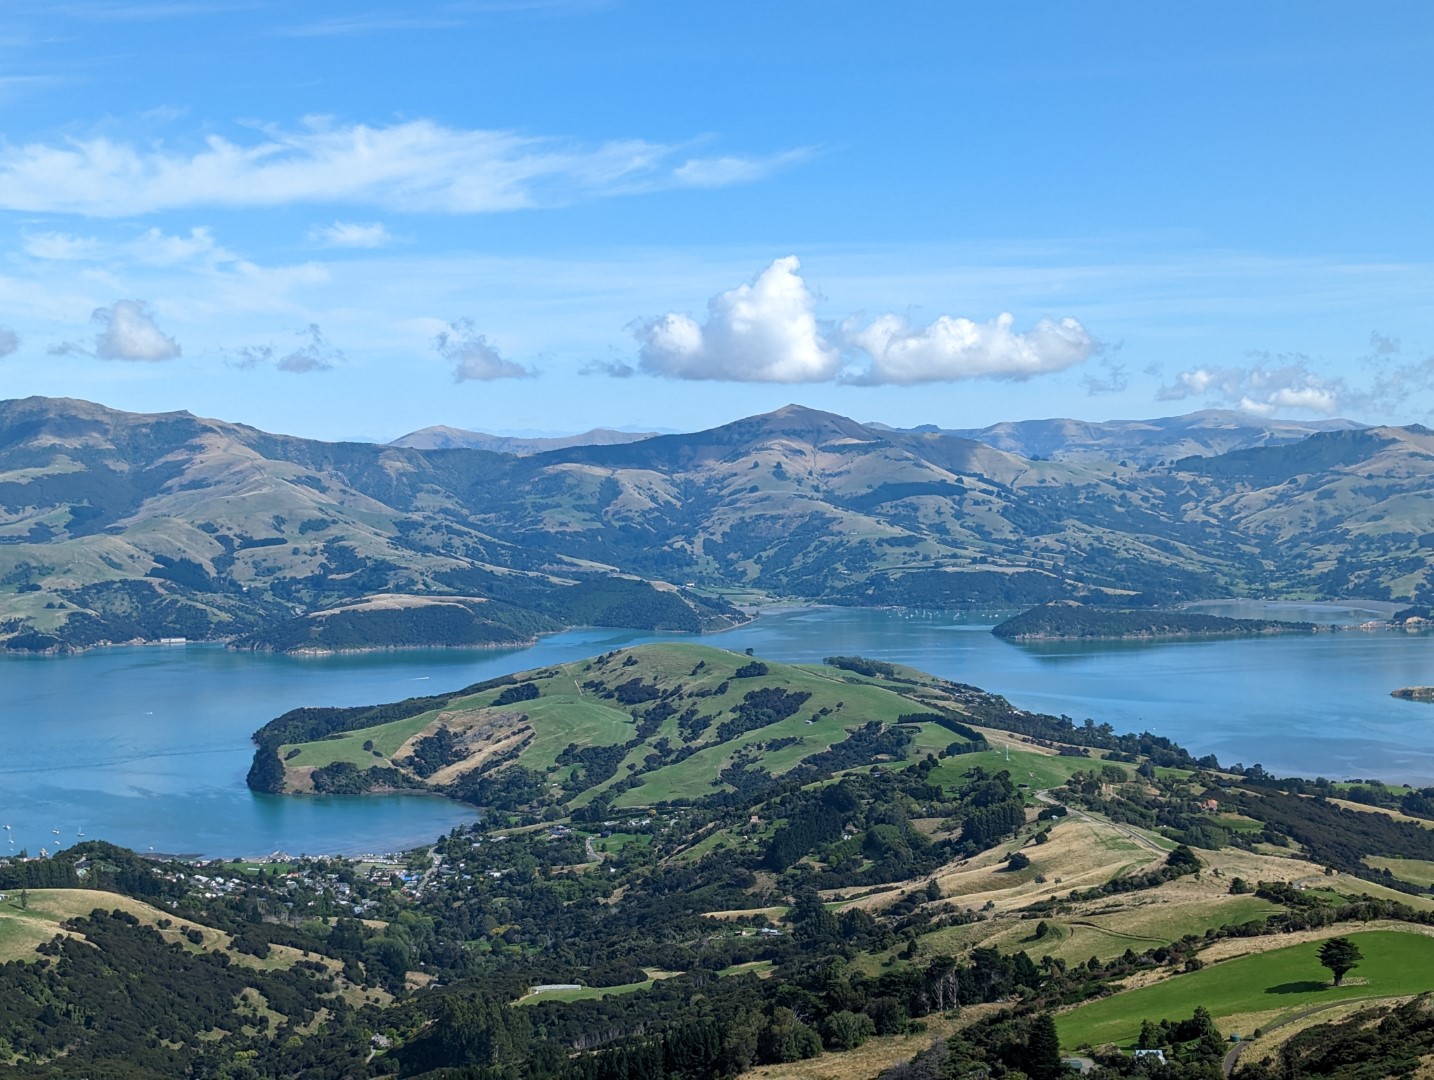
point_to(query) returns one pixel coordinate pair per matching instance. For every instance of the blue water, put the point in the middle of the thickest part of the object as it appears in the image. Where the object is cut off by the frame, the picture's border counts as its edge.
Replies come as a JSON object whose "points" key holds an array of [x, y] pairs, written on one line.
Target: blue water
{"points": [[148, 746]]}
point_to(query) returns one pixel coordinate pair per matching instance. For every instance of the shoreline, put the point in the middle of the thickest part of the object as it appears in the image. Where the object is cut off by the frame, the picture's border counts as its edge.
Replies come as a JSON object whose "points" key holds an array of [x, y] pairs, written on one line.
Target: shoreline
{"points": [[58, 651], [1172, 635], [864, 616], [1380, 609]]}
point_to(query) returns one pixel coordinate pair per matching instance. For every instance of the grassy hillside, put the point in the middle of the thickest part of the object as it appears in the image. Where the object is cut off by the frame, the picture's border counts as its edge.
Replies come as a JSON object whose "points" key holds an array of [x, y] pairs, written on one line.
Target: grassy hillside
{"points": [[118, 526], [636, 727], [1260, 989]]}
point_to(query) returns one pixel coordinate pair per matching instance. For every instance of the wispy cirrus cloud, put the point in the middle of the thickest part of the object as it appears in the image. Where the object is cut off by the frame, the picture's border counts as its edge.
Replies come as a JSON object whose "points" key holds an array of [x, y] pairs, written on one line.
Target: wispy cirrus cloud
{"points": [[153, 247], [350, 234], [767, 330], [414, 166]]}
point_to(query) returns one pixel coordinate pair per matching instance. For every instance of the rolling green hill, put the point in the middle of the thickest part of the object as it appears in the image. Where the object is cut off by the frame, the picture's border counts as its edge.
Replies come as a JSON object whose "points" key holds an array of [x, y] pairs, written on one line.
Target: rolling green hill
{"points": [[637, 727]]}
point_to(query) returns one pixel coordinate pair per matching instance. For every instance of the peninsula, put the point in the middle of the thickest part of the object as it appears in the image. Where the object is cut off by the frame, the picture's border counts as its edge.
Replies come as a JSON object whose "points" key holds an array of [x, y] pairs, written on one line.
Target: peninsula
{"points": [[1066, 620]]}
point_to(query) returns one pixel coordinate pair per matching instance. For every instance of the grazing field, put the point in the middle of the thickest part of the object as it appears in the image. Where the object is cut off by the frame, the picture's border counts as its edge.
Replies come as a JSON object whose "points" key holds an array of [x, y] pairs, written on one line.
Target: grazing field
{"points": [[1414, 871], [1107, 936], [594, 993], [760, 968], [22, 929], [1080, 853], [1036, 770], [1281, 981], [386, 739]]}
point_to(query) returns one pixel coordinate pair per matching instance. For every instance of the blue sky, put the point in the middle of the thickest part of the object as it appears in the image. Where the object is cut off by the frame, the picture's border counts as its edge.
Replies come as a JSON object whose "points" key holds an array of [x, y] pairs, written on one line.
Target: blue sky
{"points": [[544, 215]]}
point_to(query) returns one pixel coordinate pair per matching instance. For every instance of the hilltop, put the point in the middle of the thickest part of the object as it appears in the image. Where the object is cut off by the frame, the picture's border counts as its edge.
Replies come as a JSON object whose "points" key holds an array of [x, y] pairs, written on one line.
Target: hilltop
{"points": [[117, 526], [653, 724]]}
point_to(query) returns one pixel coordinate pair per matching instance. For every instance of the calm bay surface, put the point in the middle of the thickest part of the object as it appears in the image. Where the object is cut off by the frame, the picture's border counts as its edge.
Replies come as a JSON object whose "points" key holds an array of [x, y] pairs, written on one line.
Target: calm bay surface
{"points": [[148, 746]]}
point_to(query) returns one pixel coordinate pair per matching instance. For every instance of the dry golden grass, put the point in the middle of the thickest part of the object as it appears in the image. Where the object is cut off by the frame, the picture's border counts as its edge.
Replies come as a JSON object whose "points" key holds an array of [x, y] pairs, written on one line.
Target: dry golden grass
{"points": [[1079, 854], [1232, 947], [773, 913], [49, 908], [1266, 1045], [1395, 814], [482, 733], [397, 602], [875, 1055]]}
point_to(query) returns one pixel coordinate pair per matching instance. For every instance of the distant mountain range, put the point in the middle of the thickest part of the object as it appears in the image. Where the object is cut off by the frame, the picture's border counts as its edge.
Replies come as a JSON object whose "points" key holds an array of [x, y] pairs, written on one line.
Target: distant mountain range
{"points": [[451, 438], [1141, 442], [117, 526]]}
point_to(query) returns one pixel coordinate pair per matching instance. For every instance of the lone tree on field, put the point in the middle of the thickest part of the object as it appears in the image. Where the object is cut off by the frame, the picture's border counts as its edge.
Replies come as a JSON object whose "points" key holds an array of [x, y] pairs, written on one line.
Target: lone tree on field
{"points": [[1339, 954]]}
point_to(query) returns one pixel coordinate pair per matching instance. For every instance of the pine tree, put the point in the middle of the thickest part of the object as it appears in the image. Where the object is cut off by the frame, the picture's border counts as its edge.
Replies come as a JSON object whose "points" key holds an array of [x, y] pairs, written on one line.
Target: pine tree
{"points": [[1043, 1049], [1340, 955]]}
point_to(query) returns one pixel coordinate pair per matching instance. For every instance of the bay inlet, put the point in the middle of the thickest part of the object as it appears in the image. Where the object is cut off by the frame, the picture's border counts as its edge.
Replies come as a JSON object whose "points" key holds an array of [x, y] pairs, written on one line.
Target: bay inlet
{"points": [[148, 746]]}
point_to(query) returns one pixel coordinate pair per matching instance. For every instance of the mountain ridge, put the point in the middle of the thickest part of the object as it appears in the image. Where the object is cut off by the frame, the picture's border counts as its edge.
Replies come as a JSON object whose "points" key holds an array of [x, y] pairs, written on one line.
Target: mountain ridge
{"points": [[121, 526], [1205, 432], [443, 437]]}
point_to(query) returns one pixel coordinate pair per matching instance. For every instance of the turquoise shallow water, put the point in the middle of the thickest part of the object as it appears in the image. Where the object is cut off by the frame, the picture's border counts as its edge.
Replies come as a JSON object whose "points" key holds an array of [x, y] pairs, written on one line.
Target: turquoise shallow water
{"points": [[148, 747]]}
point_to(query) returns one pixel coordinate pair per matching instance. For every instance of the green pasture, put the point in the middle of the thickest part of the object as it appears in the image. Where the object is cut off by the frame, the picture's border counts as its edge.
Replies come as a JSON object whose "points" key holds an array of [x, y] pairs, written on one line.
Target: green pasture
{"points": [[566, 714], [592, 993], [586, 993], [1414, 871], [1108, 936], [1289, 979], [755, 967], [1040, 771], [561, 719], [387, 738]]}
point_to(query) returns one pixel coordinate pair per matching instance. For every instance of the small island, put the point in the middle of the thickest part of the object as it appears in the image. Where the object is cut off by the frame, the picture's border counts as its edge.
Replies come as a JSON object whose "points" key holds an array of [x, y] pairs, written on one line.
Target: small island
{"points": [[1414, 693], [1066, 620]]}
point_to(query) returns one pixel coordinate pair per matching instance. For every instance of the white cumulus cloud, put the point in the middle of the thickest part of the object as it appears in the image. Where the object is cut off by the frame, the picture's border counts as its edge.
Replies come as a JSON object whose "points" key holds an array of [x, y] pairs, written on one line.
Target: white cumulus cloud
{"points": [[127, 332], [768, 331], [950, 349], [349, 234], [763, 331], [474, 357], [417, 165]]}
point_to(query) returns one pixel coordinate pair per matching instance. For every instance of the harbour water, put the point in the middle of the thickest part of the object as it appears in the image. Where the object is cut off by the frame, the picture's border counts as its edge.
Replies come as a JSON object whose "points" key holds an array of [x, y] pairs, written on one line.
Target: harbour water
{"points": [[148, 746]]}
